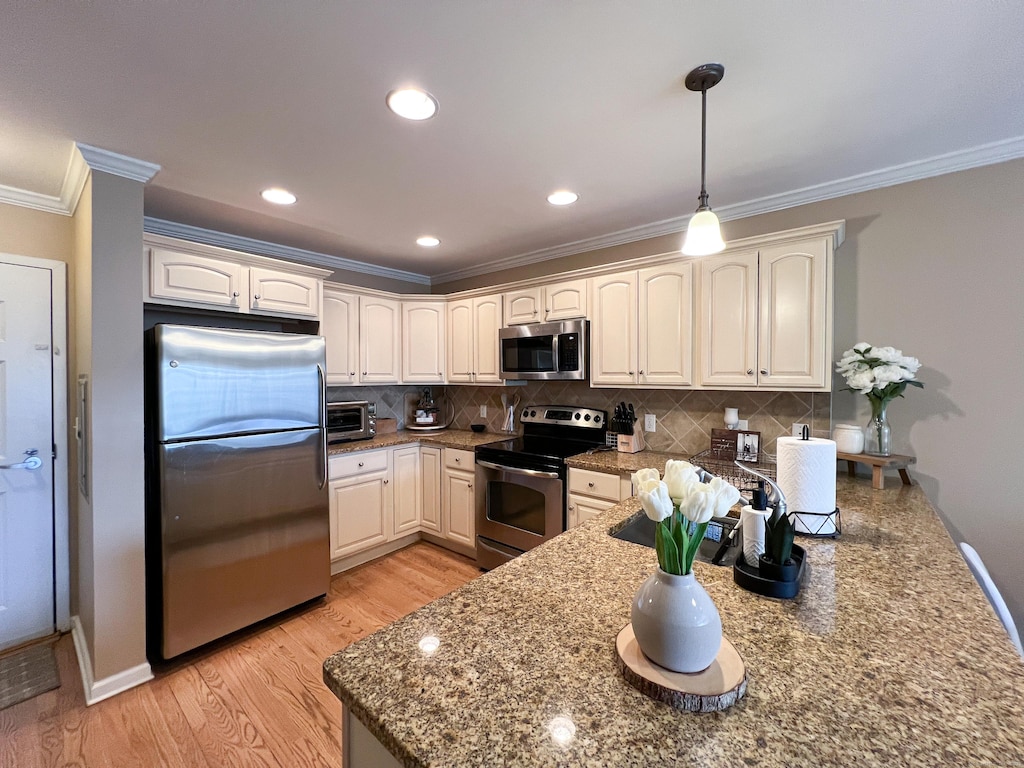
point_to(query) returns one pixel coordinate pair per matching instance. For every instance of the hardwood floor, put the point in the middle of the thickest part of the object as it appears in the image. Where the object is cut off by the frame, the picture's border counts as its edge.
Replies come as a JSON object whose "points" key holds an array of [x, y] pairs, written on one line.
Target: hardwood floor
{"points": [[256, 700]]}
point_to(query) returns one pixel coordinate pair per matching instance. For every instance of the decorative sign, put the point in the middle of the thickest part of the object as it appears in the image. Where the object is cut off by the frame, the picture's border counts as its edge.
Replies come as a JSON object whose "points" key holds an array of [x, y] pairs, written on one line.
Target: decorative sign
{"points": [[732, 444]]}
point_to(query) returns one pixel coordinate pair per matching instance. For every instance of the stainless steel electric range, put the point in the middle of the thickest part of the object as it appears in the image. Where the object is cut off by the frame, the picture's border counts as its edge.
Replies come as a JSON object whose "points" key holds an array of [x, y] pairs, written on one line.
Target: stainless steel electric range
{"points": [[524, 479]]}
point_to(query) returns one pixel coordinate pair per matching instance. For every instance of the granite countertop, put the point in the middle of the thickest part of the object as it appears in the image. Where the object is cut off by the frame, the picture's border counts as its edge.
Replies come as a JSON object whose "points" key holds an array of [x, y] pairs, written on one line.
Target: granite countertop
{"points": [[889, 656], [622, 464], [446, 438]]}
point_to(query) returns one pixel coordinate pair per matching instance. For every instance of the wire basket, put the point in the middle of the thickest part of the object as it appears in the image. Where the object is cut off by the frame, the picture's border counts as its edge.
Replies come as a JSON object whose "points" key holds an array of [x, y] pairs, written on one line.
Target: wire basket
{"points": [[727, 470]]}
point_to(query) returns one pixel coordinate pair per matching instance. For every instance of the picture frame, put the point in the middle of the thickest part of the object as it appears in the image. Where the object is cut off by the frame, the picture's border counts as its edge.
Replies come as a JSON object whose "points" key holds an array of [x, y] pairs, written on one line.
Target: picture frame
{"points": [[733, 444]]}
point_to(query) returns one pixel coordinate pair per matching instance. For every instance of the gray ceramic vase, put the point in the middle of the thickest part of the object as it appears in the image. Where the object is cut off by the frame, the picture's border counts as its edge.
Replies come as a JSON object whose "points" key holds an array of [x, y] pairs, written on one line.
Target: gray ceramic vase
{"points": [[676, 623]]}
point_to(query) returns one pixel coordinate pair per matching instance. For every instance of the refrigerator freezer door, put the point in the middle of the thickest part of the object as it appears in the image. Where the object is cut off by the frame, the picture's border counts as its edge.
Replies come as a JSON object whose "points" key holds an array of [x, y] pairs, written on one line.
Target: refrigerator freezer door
{"points": [[244, 533], [212, 382]]}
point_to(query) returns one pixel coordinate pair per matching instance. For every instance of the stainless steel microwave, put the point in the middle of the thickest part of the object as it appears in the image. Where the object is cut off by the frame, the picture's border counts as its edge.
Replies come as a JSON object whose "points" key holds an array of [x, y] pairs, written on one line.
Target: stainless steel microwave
{"points": [[351, 420], [545, 351]]}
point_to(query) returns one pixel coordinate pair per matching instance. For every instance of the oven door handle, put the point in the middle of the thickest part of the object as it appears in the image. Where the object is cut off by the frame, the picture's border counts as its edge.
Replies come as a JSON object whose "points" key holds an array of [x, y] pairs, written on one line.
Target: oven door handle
{"points": [[517, 471]]}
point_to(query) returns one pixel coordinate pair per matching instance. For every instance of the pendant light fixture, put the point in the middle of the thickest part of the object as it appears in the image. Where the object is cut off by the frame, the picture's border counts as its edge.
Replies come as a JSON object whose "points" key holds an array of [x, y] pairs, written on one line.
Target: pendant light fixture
{"points": [[704, 233]]}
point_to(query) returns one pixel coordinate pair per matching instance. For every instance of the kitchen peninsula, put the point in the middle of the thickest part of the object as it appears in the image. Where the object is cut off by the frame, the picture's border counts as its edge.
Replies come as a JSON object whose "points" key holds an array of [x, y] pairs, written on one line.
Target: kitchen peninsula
{"points": [[890, 656]]}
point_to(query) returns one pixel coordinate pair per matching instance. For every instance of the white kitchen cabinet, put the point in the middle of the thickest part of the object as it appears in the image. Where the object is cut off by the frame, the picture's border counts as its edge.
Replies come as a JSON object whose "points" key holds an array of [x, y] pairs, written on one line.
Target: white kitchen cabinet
{"points": [[184, 274], [361, 502], [613, 349], [407, 489], [204, 280], [459, 501], [591, 493], [566, 300], [430, 478], [523, 306], [766, 317], [380, 352], [423, 342], [642, 327], [473, 326], [340, 329], [283, 293]]}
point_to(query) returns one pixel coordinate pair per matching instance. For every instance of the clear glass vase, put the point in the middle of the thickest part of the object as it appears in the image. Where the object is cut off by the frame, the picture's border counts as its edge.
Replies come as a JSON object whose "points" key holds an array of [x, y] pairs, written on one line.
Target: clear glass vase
{"points": [[877, 434]]}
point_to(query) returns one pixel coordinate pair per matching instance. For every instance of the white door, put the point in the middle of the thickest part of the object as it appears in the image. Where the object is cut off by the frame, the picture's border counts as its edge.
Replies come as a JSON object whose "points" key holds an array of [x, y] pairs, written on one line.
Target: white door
{"points": [[728, 289], [27, 600], [613, 335]]}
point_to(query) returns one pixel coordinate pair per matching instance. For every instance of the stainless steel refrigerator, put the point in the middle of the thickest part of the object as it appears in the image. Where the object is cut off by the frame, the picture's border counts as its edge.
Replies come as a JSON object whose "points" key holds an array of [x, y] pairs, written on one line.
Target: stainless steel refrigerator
{"points": [[237, 508]]}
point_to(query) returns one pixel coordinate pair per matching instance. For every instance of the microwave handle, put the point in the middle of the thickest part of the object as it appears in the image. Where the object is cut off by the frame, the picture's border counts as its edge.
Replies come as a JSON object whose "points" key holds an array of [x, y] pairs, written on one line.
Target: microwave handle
{"points": [[322, 380]]}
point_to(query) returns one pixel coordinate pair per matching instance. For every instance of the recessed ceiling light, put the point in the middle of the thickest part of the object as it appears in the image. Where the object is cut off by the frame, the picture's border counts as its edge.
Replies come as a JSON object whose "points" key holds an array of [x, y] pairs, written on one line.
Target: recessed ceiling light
{"points": [[278, 196], [563, 197], [428, 241], [412, 103]]}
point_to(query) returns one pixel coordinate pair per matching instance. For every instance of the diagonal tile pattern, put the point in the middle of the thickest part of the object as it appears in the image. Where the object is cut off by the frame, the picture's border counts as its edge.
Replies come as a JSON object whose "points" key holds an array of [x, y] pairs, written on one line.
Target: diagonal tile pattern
{"points": [[685, 416]]}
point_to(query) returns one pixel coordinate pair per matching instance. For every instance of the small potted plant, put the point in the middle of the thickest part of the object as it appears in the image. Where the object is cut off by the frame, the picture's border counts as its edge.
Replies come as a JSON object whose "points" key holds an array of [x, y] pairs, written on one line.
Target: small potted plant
{"points": [[776, 562]]}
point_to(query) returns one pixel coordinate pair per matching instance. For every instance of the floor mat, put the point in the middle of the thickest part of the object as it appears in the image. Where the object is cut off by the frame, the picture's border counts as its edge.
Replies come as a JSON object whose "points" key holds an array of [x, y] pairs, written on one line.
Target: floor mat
{"points": [[27, 673]]}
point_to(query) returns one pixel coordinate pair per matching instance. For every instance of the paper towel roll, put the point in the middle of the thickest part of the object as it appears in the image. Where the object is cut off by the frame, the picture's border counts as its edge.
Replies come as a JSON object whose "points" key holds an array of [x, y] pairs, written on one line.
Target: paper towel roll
{"points": [[806, 473]]}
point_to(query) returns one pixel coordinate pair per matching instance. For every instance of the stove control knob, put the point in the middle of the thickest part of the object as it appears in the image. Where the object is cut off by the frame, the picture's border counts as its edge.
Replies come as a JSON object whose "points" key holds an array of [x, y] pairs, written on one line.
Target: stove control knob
{"points": [[526, 412], [576, 416], [597, 419], [587, 417], [533, 413]]}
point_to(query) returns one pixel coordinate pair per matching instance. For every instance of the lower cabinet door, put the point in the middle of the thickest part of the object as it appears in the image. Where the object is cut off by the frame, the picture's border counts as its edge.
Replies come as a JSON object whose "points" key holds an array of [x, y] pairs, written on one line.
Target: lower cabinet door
{"points": [[359, 518], [582, 508], [430, 477], [459, 508], [405, 464]]}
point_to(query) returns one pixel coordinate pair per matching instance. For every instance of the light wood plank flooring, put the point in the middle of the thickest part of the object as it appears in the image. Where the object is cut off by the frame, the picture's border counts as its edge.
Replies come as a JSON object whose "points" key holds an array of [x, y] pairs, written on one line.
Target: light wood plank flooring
{"points": [[255, 700]]}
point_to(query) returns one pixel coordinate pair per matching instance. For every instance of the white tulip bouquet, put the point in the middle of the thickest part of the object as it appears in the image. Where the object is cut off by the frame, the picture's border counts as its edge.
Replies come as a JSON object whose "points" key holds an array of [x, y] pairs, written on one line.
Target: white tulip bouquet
{"points": [[676, 502]]}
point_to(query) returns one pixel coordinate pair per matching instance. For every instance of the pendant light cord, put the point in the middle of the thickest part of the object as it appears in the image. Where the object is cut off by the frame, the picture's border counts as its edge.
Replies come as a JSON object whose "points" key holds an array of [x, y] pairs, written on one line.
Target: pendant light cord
{"points": [[703, 199]]}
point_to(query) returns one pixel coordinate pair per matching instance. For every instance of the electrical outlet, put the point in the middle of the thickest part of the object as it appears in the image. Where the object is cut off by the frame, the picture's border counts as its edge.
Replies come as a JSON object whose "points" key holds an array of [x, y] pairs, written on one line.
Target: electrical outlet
{"points": [[650, 422], [742, 424], [483, 411], [798, 429]]}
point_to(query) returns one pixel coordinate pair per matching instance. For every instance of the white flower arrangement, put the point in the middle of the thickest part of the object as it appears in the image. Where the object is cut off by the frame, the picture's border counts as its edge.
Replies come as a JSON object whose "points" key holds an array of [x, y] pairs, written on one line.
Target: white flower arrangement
{"points": [[881, 373], [676, 502]]}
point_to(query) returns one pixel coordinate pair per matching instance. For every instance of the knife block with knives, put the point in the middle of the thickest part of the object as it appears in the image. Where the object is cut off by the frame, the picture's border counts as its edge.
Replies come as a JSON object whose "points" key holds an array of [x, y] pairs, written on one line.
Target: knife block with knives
{"points": [[623, 423]]}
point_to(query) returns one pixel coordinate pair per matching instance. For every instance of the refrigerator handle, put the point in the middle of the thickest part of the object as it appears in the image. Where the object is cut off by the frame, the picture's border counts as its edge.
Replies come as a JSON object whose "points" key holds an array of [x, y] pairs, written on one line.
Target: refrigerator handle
{"points": [[323, 420]]}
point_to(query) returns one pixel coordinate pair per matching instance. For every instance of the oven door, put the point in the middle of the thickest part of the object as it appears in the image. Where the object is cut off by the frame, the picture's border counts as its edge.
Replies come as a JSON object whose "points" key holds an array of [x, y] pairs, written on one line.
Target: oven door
{"points": [[521, 507]]}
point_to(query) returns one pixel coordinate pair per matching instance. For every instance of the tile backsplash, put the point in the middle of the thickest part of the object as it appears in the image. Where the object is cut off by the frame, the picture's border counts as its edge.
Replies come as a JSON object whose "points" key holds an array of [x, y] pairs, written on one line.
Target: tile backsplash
{"points": [[685, 417]]}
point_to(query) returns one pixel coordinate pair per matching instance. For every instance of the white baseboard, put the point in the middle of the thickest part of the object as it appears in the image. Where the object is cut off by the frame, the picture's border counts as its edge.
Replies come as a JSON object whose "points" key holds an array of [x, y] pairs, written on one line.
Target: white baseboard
{"points": [[98, 690]]}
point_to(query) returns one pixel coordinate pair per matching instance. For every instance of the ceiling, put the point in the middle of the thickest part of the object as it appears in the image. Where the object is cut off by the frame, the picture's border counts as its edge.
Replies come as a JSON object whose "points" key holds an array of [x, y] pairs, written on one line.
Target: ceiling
{"points": [[818, 99]]}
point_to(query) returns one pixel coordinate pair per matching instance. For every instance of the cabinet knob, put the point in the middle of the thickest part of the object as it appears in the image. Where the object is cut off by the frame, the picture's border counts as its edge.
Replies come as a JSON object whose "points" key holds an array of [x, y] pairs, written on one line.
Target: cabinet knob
{"points": [[630, 373], [234, 294], [469, 485], [591, 485], [385, 482], [257, 297], [764, 372], [458, 460], [351, 373], [572, 507], [360, 463], [641, 371], [364, 373], [750, 371], [535, 311]]}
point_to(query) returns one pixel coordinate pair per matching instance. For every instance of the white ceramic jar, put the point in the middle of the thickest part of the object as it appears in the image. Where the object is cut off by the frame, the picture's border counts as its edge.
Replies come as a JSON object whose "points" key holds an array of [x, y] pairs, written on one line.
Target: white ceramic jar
{"points": [[849, 438]]}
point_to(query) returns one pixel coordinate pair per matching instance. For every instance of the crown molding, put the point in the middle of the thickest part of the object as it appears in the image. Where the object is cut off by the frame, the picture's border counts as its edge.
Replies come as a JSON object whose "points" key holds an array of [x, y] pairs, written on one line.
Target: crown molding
{"points": [[951, 162], [262, 247], [75, 177], [118, 165]]}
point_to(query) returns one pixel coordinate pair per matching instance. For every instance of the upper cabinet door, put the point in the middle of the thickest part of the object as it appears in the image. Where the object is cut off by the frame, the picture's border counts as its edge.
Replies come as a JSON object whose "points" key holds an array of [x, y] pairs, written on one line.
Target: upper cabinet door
{"points": [[284, 293], [380, 323], [423, 337], [793, 329], [460, 341], [340, 329], [487, 317], [665, 299], [524, 306], [565, 301], [613, 333], [197, 279], [728, 292]]}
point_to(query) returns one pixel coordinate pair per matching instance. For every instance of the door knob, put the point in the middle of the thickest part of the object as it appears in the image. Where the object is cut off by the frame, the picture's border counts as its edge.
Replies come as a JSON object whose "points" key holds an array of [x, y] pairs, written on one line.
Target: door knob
{"points": [[32, 462], [750, 371], [764, 372], [257, 297]]}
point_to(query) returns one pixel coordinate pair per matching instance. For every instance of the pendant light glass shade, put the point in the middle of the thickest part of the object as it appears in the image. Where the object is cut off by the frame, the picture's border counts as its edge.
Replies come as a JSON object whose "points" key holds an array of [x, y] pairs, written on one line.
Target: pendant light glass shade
{"points": [[703, 235]]}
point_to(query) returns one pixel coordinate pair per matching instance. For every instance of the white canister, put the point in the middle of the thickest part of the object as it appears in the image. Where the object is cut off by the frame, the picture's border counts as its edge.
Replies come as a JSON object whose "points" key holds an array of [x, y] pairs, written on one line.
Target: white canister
{"points": [[849, 438]]}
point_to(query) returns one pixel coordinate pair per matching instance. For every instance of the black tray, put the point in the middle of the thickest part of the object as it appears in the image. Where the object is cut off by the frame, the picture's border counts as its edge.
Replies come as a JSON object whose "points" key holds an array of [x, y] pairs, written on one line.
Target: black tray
{"points": [[748, 577]]}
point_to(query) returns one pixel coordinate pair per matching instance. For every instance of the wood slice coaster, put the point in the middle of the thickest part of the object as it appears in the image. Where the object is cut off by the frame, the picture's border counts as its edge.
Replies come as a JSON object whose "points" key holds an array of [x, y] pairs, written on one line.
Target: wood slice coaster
{"points": [[716, 688]]}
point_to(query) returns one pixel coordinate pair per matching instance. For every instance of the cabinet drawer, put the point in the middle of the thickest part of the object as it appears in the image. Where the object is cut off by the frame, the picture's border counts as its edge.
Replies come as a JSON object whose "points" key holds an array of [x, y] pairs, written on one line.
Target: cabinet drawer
{"points": [[350, 464], [456, 459], [597, 484]]}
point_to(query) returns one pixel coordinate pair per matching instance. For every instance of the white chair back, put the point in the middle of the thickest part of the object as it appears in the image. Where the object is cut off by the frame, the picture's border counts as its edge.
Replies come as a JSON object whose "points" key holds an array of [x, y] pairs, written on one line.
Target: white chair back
{"points": [[991, 592]]}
